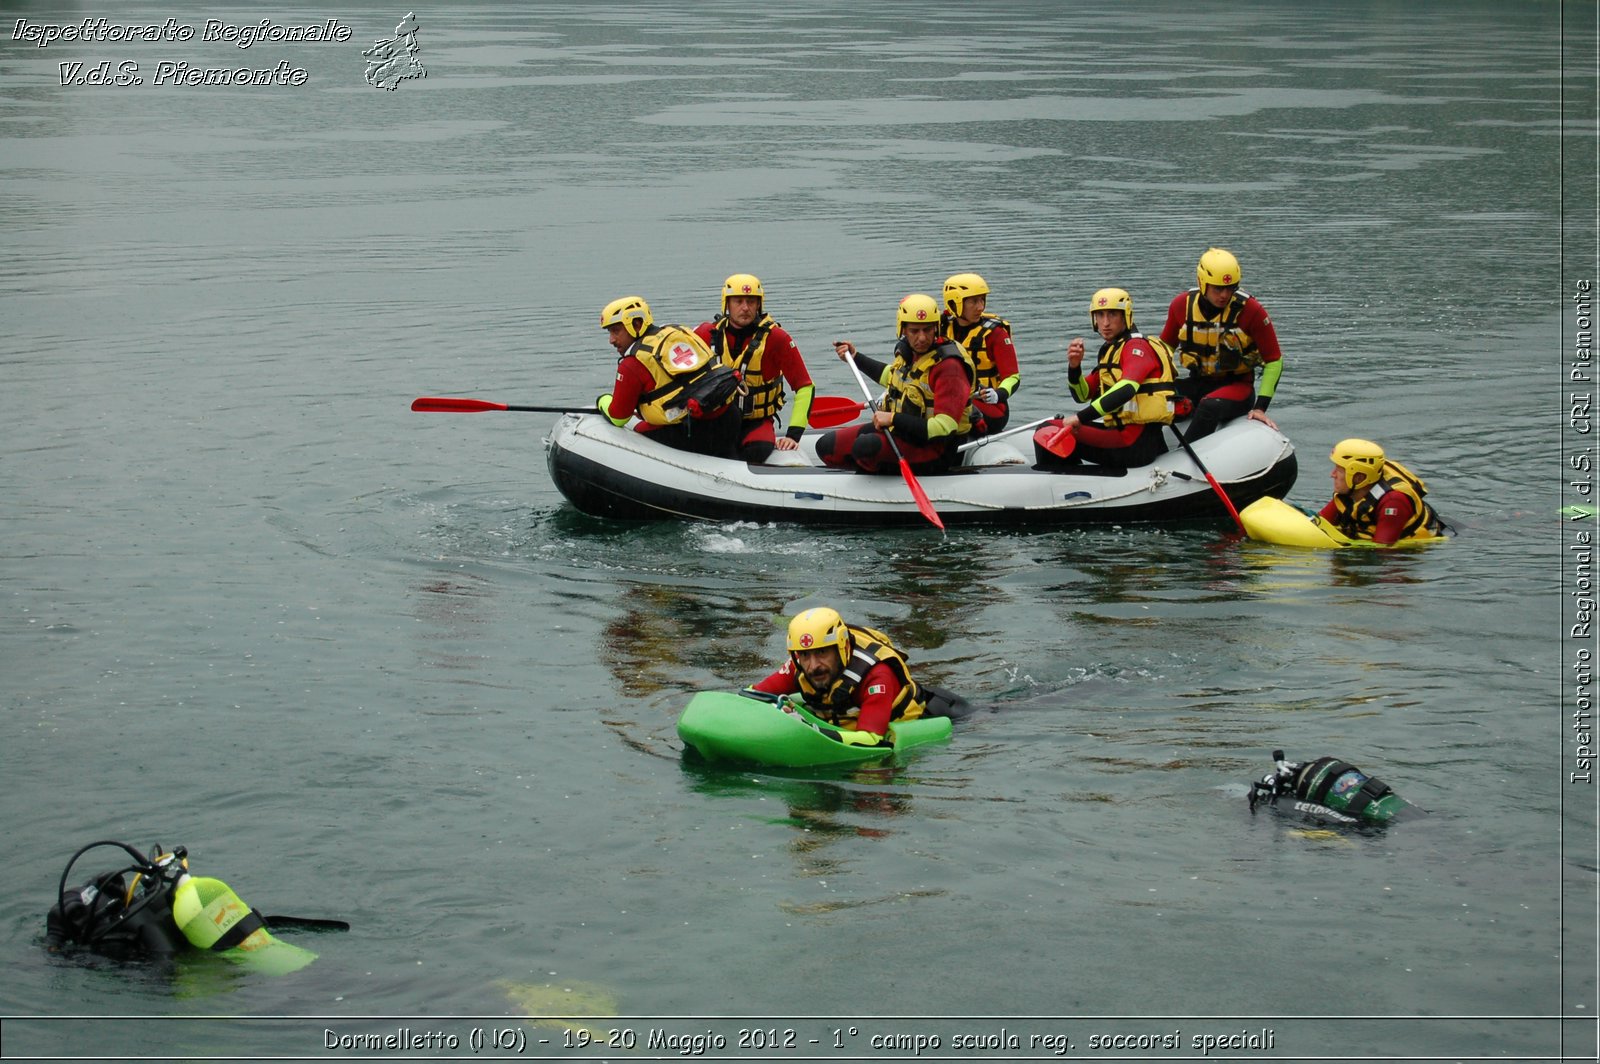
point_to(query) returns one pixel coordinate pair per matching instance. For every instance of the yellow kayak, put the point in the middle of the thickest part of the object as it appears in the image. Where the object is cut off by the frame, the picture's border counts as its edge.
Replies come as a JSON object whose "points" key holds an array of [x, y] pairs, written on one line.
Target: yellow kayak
{"points": [[1275, 521]]}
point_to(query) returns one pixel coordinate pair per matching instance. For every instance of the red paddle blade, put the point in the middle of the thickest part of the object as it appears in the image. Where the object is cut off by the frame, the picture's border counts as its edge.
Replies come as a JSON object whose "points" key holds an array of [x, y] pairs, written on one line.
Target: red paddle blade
{"points": [[1060, 442], [1227, 502], [438, 405], [923, 503], [829, 411]]}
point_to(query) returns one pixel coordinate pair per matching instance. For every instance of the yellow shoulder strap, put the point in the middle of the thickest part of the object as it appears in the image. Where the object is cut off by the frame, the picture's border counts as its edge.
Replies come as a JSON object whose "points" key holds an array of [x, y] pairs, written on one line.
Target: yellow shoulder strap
{"points": [[1407, 475]]}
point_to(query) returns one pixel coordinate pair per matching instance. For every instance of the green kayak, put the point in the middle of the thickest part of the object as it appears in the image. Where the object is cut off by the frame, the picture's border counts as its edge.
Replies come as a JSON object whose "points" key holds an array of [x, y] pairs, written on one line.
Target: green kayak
{"points": [[723, 726]]}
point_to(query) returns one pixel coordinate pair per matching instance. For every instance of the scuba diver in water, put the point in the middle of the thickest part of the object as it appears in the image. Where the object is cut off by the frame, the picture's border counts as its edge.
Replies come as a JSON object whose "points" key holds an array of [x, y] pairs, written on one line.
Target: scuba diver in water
{"points": [[119, 916], [1331, 791], [153, 908]]}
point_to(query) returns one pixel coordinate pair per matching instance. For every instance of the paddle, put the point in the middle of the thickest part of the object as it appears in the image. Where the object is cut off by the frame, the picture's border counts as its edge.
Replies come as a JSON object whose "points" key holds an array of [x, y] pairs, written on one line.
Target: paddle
{"points": [[796, 709], [831, 411], [1063, 441], [979, 442], [921, 497], [1210, 479], [440, 405]]}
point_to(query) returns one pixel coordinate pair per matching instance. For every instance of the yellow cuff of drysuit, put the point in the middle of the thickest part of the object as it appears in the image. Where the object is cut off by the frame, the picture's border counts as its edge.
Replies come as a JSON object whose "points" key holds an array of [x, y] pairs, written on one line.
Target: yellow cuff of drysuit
{"points": [[1269, 379], [604, 405], [800, 413]]}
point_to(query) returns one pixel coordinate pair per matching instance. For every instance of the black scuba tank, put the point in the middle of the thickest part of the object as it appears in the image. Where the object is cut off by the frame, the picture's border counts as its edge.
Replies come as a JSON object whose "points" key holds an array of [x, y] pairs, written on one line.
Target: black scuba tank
{"points": [[125, 914]]}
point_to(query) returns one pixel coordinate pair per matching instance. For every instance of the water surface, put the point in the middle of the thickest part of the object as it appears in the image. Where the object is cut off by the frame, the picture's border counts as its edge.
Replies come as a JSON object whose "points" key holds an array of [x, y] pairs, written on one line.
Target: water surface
{"points": [[367, 664]]}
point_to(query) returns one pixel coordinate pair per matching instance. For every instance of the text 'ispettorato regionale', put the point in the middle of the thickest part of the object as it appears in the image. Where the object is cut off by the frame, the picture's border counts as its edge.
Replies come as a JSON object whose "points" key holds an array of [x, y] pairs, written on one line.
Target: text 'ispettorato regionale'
{"points": [[168, 72], [103, 31]]}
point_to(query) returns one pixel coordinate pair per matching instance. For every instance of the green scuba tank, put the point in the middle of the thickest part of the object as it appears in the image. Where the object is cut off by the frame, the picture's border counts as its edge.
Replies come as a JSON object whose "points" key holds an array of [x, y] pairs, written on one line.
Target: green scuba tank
{"points": [[1330, 789], [1346, 789]]}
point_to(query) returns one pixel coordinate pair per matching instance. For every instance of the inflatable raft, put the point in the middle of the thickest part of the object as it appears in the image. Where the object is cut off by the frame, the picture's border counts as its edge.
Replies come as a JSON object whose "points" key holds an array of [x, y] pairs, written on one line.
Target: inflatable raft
{"points": [[1275, 521], [753, 730], [612, 472]]}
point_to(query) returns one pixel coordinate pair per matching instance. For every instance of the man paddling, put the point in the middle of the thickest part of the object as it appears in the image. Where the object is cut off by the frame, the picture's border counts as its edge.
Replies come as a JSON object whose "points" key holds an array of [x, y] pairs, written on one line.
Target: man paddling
{"points": [[746, 338], [927, 405], [852, 677]]}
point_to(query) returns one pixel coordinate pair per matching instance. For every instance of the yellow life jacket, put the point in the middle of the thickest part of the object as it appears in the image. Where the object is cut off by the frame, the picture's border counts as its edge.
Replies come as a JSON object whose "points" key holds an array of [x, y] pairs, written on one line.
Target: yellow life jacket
{"points": [[1356, 514], [676, 358], [974, 340], [1152, 404], [868, 647], [765, 396], [908, 387], [1217, 347]]}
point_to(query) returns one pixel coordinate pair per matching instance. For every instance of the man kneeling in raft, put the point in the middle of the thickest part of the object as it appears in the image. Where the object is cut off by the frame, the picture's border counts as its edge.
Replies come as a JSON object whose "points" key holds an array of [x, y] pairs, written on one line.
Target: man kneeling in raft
{"points": [[851, 677]]}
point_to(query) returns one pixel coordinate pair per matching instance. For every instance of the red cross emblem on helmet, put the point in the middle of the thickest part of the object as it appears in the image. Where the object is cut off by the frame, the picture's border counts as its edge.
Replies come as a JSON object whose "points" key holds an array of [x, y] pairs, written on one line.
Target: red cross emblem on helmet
{"points": [[1227, 278], [745, 289], [922, 315], [1104, 301], [806, 641]]}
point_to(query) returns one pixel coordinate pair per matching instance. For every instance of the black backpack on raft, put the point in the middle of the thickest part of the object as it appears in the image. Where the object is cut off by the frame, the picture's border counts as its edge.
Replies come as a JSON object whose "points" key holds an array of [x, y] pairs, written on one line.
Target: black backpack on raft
{"points": [[712, 390]]}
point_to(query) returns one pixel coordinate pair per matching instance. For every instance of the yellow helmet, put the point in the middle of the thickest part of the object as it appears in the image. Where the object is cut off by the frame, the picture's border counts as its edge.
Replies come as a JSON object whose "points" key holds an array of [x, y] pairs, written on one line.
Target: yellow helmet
{"points": [[817, 628], [1218, 267], [1361, 460], [916, 309], [1112, 299], [632, 311], [961, 286], [741, 284]]}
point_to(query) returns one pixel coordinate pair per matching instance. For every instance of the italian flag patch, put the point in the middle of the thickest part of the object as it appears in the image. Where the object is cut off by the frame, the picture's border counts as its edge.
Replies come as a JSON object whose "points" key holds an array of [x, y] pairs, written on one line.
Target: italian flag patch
{"points": [[876, 689]]}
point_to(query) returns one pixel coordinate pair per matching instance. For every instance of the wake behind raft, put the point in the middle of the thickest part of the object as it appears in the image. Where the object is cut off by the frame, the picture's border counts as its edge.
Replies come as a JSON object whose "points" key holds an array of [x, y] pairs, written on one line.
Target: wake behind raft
{"points": [[154, 909], [753, 728]]}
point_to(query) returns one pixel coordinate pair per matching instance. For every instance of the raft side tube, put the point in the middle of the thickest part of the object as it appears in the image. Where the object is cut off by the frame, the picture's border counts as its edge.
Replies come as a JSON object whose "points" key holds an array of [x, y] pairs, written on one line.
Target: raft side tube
{"points": [[616, 474]]}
